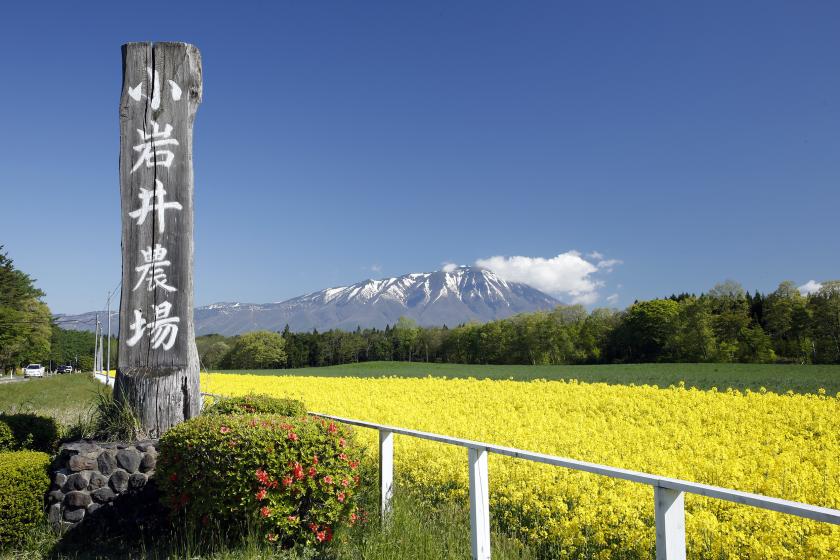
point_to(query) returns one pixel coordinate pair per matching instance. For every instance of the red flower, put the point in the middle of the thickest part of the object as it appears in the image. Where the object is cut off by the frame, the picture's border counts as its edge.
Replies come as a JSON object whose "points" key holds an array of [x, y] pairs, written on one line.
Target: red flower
{"points": [[342, 442], [328, 479], [262, 476], [272, 537], [265, 511], [293, 436], [341, 497], [261, 494], [292, 518], [353, 518], [314, 459], [332, 428], [272, 484], [287, 481], [354, 465], [345, 483], [173, 477], [224, 429], [342, 456], [253, 423], [312, 472], [321, 536], [356, 480], [297, 471], [313, 527]]}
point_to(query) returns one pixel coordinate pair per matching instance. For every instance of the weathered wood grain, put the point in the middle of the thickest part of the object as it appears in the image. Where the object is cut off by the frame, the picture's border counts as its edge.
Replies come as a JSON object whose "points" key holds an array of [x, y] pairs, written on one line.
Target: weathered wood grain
{"points": [[162, 385]]}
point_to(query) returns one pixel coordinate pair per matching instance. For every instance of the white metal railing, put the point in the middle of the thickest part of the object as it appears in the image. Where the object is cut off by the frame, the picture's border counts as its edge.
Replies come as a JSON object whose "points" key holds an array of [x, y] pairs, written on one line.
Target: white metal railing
{"points": [[104, 378], [669, 493]]}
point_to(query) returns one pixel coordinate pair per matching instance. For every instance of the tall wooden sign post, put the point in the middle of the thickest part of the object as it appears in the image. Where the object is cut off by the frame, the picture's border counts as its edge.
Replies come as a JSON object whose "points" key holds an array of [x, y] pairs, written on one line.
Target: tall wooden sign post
{"points": [[158, 370]]}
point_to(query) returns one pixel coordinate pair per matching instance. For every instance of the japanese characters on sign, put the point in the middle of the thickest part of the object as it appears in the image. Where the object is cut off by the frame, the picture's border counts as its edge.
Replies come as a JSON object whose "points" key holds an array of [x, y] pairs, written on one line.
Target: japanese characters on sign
{"points": [[157, 148]]}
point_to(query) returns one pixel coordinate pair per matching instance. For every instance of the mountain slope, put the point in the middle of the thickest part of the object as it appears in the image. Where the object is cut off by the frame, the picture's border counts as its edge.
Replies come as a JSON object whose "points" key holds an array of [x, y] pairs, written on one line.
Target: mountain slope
{"points": [[433, 298]]}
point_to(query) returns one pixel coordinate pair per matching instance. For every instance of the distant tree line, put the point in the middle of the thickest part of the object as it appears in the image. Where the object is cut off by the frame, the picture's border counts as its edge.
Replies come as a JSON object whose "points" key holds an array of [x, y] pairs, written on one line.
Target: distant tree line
{"points": [[725, 324], [29, 334]]}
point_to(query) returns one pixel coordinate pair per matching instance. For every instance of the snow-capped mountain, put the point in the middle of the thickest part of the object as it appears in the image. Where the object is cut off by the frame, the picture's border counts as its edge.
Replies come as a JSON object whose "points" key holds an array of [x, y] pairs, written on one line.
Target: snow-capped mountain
{"points": [[432, 298]]}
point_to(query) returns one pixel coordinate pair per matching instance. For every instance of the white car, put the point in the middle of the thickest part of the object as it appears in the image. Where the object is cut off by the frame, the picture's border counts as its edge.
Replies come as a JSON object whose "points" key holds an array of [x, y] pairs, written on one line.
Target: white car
{"points": [[33, 370]]}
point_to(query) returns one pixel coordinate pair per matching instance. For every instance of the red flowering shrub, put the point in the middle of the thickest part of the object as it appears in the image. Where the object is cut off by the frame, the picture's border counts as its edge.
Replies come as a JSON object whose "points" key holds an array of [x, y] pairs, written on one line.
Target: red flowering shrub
{"points": [[291, 478]]}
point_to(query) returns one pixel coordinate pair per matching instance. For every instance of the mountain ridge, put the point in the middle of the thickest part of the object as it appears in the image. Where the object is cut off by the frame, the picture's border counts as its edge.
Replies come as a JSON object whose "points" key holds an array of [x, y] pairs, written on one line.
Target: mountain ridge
{"points": [[436, 298]]}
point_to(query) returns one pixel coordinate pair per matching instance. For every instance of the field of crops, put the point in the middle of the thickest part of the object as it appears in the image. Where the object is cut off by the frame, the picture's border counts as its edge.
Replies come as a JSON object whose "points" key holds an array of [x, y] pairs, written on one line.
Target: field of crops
{"points": [[784, 445]]}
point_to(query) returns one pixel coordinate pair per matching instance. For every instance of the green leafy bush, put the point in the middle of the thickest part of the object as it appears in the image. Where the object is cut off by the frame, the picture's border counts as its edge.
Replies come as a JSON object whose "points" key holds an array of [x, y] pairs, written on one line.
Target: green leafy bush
{"points": [[291, 479], [257, 404], [7, 438], [39, 433], [23, 484]]}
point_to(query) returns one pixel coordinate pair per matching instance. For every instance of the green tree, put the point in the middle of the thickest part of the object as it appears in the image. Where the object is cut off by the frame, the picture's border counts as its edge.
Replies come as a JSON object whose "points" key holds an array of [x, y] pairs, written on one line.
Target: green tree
{"points": [[825, 327], [25, 320], [694, 338], [787, 318], [259, 349], [215, 354], [406, 332], [647, 329]]}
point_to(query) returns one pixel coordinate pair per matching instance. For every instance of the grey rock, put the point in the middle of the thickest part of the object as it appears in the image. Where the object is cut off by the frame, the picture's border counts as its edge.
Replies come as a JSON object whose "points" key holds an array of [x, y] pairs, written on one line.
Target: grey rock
{"points": [[54, 515], [107, 462], [81, 463], [77, 499], [103, 495], [137, 481], [56, 496], [146, 445], [59, 479], [128, 459], [77, 481], [97, 481], [74, 515], [119, 481], [149, 462], [93, 507], [78, 447]]}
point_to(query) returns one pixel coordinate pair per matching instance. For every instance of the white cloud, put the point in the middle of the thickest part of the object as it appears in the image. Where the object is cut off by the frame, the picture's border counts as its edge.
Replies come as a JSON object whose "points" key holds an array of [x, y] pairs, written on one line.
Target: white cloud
{"points": [[376, 268], [449, 267], [568, 276], [809, 287], [612, 299]]}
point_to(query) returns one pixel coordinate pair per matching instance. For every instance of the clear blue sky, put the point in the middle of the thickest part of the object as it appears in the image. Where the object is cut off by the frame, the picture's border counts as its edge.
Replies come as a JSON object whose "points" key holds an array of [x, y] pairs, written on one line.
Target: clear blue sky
{"points": [[344, 140]]}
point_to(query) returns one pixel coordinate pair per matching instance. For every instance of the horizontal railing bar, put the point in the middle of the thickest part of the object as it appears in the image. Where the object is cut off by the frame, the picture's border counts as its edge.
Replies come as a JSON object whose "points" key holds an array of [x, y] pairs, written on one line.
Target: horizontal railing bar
{"points": [[817, 513]]}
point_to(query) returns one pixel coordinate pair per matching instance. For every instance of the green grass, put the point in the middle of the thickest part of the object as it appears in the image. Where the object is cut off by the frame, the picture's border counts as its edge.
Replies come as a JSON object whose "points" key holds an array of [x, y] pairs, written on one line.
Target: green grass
{"points": [[64, 397], [773, 377]]}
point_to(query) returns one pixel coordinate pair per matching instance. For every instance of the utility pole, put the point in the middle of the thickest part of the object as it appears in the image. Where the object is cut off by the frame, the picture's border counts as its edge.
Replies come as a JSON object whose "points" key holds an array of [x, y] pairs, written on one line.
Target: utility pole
{"points": [[108, 371], [95, 342]]}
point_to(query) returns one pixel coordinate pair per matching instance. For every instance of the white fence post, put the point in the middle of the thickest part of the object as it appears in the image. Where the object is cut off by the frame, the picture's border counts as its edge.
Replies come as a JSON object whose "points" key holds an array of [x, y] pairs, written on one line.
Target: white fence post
{"points": [[386, 472], [670, 523], [479, 504]]}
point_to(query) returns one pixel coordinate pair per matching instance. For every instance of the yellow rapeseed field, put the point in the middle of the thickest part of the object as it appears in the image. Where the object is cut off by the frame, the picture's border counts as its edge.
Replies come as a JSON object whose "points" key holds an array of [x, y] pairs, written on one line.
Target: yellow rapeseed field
{"points": [[779, 445]]}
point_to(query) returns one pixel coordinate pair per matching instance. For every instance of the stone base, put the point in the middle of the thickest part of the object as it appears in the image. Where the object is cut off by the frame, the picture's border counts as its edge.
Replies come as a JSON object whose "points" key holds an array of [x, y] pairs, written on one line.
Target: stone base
{"points": [[96, 481]]}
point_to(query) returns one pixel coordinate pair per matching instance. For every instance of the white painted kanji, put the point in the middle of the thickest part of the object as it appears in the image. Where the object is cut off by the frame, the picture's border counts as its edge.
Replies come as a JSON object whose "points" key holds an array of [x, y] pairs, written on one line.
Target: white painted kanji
{"points": [[153, 270], [153, 150], [160, 206], [163, 330], [136, 92]]}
